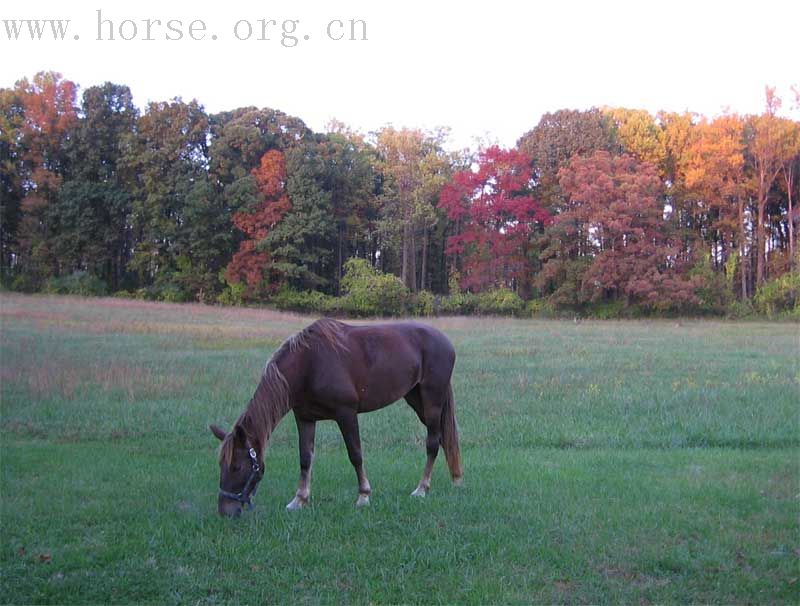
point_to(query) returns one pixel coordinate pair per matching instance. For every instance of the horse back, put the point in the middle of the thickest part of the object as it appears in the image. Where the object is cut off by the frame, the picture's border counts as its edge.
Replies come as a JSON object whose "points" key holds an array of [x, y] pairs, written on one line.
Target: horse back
{"points": [[378, 364]]}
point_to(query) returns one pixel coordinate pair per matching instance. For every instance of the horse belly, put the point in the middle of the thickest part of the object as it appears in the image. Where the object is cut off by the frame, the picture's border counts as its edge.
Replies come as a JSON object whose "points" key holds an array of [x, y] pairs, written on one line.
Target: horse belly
{"points": [[385, 386]]}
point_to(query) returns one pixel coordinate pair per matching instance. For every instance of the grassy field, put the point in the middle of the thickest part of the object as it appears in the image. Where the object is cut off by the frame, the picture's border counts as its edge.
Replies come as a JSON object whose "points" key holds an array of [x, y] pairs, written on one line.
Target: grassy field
{"points": [[606, 462]]}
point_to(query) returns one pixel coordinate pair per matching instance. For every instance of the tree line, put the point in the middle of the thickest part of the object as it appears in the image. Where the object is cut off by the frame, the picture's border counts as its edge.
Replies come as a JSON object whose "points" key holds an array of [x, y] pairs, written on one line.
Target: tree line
{"points": [[604, 209]]}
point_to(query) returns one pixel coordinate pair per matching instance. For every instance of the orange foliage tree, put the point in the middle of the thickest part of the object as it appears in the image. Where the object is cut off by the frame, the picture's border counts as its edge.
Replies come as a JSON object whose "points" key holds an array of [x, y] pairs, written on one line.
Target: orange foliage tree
{"points": [[716, 175], [251, 263], [50, 112]]}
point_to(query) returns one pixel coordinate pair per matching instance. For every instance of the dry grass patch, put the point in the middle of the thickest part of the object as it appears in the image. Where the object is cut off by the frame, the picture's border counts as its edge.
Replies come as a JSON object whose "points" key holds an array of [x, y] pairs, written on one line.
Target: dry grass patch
{"points": [[67, 378]]}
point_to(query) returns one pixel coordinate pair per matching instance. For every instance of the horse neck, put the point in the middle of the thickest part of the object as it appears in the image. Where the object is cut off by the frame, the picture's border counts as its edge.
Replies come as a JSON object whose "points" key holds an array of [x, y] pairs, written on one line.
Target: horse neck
{"points": [[271, 401]]}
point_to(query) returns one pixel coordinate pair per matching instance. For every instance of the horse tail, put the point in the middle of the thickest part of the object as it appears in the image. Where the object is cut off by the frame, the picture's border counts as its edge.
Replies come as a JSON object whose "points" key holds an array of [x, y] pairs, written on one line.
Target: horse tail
{"points": [[450, 437]]}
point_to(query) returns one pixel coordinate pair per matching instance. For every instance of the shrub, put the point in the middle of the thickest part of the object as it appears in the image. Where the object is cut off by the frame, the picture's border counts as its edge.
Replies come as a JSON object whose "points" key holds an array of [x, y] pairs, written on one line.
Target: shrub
{"points": [[539, 308], [232, 294], [779, 296], [77, 283], [458, 304], [713, 289], [143, 294], [369, 292], [333, 306], [500, 301], [24, 283], [170, 293], [424, 303], [740, 309], [307, 301], [610, 310]]}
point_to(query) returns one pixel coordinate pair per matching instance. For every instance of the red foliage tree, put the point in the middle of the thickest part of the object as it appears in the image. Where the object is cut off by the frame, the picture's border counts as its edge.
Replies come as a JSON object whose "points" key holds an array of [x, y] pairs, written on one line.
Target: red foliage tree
{"points": [[616, 205], [249, 264], [496, 216]]}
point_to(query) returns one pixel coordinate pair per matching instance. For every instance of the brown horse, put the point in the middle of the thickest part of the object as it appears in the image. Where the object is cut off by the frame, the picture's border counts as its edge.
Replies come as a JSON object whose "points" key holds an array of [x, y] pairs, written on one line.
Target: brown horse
{"points": [[334, 371]]}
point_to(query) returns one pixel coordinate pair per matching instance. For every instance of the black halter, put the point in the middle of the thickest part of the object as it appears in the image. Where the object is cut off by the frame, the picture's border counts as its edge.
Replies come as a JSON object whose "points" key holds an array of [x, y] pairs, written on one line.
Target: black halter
{"points": [[244, 495]]}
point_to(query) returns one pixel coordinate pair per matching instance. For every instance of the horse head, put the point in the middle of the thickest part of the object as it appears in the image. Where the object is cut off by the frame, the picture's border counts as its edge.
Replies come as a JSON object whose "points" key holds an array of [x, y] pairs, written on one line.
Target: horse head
{"points": [[240, 470]]}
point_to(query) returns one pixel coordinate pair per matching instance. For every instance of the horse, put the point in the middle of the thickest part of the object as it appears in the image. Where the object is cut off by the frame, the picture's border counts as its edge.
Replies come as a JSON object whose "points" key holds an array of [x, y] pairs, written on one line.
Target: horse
{"points": [[335, 371]]}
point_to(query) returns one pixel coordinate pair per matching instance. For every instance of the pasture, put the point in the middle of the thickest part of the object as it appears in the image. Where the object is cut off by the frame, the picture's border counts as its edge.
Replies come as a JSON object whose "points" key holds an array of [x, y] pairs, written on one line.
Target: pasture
{"points": [[605, 462]]}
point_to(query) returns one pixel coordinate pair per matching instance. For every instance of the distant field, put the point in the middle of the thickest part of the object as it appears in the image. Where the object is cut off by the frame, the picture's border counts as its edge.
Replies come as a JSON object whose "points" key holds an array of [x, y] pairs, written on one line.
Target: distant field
{"points": [[606, 462]]}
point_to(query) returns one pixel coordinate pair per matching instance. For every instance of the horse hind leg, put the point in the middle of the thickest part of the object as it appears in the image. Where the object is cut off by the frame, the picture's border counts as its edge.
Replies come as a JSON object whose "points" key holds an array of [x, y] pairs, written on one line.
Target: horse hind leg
{"points": [[414, 400], [430, 411]]}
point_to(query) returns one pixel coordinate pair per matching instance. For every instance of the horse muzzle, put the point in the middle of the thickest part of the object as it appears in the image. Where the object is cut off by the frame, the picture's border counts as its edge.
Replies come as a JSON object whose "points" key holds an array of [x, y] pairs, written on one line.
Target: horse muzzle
{"points": [[229, 507]]}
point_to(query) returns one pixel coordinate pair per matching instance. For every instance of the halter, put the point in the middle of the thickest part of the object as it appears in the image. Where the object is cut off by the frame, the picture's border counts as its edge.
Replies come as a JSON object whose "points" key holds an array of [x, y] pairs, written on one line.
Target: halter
{"points": [[244, 495]]}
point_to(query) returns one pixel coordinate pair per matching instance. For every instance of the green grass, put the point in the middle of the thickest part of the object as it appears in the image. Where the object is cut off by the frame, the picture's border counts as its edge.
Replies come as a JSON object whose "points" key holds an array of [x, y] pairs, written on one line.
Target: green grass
{"points": [[616, 462]]}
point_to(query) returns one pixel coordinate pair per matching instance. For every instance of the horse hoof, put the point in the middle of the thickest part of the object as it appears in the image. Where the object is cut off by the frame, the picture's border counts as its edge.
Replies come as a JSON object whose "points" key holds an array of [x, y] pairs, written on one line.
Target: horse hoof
{"points": [[419, 491], [363, 500], [295, 504], [458, 481]]}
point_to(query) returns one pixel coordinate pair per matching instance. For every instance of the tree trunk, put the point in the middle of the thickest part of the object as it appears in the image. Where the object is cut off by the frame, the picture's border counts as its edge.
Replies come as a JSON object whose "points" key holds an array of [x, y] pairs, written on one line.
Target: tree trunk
{"points": [[406, 243], [760, 237], [339, 260], [412, 261], [788, 175], [743, 265], [424, 269]]}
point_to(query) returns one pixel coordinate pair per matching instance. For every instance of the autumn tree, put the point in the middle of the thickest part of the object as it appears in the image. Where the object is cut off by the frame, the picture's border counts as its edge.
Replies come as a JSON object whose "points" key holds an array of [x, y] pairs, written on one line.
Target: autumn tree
{"points": [[665, 141], [301, 245], [616, 204], [558, 137], [791, 176], [252, 263], [716, 175], [639, 134], [498, 216], [687, 218], [50, 113], [239, 140], [770, 147]]}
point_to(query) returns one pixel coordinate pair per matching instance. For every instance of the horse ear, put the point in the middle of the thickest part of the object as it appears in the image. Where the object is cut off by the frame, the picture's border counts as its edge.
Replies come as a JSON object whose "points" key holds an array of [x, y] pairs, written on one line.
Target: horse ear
{"points": [[217, 432], [238, 434]]}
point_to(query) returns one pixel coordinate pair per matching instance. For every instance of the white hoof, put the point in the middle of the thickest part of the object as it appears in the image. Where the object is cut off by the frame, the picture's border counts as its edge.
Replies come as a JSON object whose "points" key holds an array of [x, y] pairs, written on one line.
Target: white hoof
{"points": [[419, 491], [296, 503], [363, 500], [458, 481]]}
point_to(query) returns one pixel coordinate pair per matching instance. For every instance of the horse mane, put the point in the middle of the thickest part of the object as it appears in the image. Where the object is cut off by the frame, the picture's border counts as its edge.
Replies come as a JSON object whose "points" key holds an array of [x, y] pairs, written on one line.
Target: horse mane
{"points": [[271, 401], [324, 330]]}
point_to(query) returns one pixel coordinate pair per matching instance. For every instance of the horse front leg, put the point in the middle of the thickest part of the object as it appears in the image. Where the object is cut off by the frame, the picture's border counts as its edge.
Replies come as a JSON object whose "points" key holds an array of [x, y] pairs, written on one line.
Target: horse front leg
{"points": [[348, 425], [306, 431]]}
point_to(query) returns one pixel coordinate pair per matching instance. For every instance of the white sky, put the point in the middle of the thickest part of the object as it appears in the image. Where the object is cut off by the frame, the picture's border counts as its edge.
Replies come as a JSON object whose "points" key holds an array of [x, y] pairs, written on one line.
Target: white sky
{"points": [[478, 67]]}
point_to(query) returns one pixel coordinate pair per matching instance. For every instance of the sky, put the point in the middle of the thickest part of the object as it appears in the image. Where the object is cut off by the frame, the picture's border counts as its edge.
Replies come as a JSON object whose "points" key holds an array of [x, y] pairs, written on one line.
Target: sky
{"points": [[487, 70]]}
